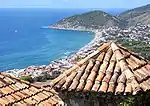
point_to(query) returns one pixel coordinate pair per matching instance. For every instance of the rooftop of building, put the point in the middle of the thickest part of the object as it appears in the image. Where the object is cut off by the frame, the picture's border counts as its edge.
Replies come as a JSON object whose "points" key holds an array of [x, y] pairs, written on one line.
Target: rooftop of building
{"points": [[111, 69]]}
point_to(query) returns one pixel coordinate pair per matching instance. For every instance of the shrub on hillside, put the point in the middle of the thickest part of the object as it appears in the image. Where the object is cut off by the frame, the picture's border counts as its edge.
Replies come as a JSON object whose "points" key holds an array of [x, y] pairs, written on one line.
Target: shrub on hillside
{"points": [[26, 78]]}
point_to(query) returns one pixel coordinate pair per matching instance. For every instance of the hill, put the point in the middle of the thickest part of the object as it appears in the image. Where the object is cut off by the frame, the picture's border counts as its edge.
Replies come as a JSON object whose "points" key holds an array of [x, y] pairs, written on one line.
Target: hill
{"points": [[93, 19], [99, 19], [136, 15]]}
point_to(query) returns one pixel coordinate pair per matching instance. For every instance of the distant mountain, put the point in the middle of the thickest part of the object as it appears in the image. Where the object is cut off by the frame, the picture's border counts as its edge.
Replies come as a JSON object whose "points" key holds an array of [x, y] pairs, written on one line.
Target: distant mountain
{"points": [[136, 15], [99, 19], [93, 19]]}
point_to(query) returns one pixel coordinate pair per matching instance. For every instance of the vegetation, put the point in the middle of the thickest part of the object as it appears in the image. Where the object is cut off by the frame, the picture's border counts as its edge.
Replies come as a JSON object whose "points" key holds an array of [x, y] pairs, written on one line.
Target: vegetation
{"points": [[135, 12], [136, 15], [26, 78], [142, 99], [138, 100], [140, 47], [98, 19], [93, 19]]}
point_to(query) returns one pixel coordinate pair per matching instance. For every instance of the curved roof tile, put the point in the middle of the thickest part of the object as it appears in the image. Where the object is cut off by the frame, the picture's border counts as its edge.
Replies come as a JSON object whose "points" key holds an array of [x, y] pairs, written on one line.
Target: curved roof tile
{"points": [[110, 69], [16, 92]]}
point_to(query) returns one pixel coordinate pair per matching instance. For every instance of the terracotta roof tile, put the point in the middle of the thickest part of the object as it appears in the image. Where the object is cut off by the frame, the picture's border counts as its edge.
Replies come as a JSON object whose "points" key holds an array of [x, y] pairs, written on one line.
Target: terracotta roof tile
{"points": [[110, 69], [16, 92]]}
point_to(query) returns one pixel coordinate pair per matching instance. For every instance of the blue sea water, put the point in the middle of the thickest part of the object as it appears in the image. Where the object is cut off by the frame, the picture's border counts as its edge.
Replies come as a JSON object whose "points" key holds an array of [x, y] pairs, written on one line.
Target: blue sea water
{"points": [[24, 41]]}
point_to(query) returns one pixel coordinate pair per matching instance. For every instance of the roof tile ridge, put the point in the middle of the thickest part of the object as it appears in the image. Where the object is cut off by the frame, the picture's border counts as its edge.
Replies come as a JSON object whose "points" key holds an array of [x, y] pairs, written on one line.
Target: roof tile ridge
{"points": [[25, 82], [28, 83], [13, 77], [125, 69], [132, 53], [40, 89], [102, 48], [130, 57], [120, 57]]}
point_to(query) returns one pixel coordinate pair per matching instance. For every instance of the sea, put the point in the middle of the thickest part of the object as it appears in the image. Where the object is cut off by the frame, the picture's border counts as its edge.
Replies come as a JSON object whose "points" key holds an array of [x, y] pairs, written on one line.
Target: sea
{"points": [[25, 39]]}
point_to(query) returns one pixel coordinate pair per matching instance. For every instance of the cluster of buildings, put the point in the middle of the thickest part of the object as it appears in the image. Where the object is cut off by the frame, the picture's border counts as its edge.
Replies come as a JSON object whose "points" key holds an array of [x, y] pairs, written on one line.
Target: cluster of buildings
{"points": [[139, 33], [107, 76]]}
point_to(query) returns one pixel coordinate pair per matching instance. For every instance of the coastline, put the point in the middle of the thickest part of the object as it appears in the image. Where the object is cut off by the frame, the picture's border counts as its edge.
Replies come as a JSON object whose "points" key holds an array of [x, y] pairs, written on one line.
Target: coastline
{"points": [[81, 29], [101, 35], [59, 65]]}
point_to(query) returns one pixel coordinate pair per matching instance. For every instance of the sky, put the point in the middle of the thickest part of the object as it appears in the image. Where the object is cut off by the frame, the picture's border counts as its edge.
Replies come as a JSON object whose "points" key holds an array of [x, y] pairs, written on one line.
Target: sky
{"points": [[72, 3]]}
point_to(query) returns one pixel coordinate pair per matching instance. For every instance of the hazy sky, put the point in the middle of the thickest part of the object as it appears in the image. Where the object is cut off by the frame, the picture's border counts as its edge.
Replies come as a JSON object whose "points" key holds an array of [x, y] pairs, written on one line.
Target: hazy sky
{"points": [[73, 3]]}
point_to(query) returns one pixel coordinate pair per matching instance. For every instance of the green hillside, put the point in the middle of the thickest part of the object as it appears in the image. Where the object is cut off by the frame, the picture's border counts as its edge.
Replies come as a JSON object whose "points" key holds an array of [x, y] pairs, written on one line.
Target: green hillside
{"points": [[136, 15], [93, 19]]}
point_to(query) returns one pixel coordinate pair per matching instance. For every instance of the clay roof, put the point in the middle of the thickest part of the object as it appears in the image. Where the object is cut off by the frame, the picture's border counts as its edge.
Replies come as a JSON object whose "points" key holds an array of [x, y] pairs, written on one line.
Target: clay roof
{"points": [[110, 69], [16, 92]]}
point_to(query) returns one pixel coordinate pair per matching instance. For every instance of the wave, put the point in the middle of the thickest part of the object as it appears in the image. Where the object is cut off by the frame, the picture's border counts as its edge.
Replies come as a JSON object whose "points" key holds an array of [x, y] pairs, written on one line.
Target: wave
{"points": [[15, 71], [68, 53], [45, 27]]}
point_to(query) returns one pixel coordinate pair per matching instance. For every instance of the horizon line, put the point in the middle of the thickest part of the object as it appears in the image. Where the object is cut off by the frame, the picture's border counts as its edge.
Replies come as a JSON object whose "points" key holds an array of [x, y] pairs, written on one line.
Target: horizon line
{"points": [[54, 8]]}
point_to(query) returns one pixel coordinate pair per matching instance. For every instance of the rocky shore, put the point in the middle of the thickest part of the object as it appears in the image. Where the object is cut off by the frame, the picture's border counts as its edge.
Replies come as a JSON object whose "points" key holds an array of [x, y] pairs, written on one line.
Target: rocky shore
{"points": [[41, 73]]}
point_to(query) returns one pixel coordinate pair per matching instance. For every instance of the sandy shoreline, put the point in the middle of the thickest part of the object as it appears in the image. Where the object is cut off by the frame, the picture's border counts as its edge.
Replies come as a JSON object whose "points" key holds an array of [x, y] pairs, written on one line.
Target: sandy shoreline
{"points": [[136, 33], [59, 65]]}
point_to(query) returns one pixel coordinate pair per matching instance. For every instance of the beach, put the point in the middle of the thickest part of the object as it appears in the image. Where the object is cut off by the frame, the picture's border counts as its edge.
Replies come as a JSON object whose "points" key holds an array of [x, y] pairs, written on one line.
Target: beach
{"points": [[133, 33], [58, 66]]}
